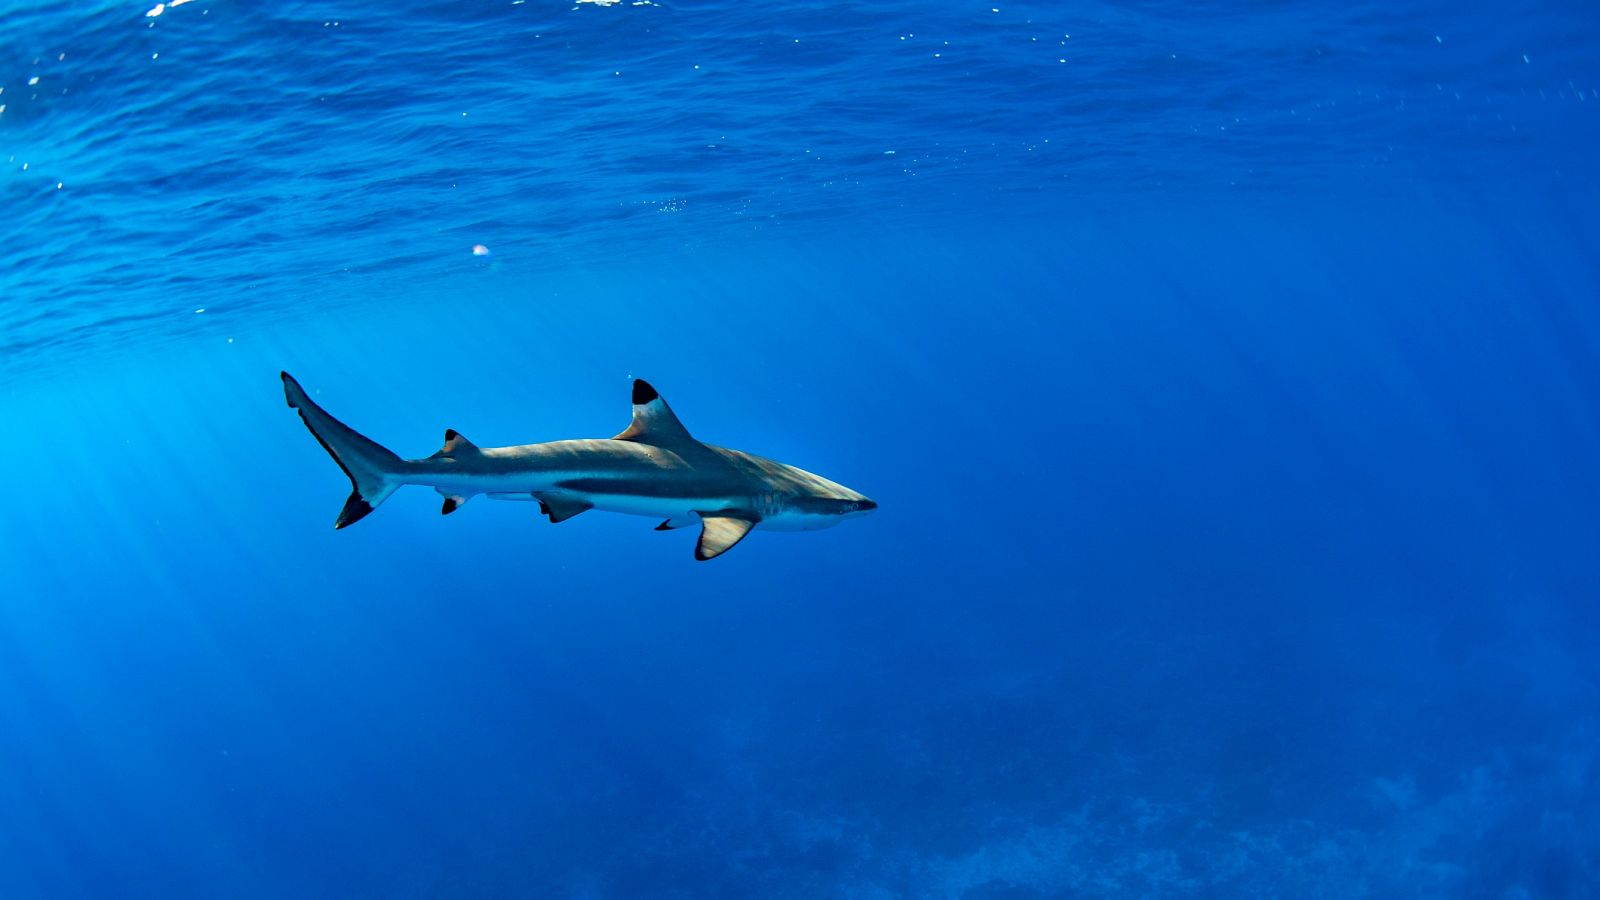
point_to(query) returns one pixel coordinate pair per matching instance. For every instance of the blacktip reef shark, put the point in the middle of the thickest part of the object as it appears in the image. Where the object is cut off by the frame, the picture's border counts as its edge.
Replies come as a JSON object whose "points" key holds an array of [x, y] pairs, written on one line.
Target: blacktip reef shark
{"points": [[653, 468]]}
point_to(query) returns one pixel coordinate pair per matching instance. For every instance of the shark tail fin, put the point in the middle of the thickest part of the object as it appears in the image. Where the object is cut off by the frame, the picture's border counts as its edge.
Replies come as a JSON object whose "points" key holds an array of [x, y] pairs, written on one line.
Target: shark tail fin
{"points": [[374, 472]]}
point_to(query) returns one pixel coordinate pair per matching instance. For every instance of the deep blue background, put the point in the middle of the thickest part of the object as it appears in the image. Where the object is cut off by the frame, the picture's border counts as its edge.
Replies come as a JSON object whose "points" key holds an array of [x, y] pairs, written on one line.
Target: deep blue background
{"points": [[1229, 389]]}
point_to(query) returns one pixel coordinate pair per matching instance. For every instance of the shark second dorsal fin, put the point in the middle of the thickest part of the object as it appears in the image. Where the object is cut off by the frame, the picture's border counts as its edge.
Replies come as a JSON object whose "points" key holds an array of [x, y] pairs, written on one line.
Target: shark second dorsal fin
{"points": [[456, 446], [653, 420], [719, 532]]}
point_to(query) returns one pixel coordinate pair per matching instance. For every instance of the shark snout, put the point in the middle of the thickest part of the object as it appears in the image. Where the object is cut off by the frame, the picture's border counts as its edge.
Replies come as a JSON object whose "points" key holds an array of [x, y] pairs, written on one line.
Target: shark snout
{"points": [[860, 507], [835, 508]]}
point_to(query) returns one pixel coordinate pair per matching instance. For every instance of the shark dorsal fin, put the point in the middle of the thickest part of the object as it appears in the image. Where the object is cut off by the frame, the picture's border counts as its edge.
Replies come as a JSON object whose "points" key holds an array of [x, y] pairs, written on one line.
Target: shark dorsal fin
{"points": [[719, 532], [456, 446], [653, 420]]}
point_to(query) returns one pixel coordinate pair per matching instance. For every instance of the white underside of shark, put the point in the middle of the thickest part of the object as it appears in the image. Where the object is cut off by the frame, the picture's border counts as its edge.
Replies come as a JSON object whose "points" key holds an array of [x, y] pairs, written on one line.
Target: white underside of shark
{"points": [[653, 468]]}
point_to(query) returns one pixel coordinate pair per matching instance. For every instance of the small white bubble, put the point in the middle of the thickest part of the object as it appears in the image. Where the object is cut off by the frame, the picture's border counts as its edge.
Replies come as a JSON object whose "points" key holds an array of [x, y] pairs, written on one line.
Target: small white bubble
{"points": [[200, 310], [1524, 59], [58, 185], [155, 56], [480, 250], [35, 79]]}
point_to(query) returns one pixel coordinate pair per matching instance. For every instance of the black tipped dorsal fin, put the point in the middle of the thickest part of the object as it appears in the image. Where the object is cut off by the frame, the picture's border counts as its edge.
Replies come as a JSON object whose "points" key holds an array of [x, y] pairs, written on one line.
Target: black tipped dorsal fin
{"points": [[653, 419], [456, 445], [719, 532]]}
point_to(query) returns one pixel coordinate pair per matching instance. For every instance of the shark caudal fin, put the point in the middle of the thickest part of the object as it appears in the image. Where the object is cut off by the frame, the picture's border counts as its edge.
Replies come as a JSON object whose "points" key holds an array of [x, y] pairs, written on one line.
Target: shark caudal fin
{"points": [[373, 470]]}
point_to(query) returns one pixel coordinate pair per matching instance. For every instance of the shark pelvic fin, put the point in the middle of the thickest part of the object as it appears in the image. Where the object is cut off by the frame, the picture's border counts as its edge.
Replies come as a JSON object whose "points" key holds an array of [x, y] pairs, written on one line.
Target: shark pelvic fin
{"points": [[560, 507], [456, 446], [653, 420], [719, 532]]}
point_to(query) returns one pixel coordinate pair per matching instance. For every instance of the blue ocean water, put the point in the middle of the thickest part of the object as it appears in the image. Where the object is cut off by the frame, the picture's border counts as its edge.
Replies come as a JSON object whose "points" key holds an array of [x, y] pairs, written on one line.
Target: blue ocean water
{"points": [[1228, 375]]}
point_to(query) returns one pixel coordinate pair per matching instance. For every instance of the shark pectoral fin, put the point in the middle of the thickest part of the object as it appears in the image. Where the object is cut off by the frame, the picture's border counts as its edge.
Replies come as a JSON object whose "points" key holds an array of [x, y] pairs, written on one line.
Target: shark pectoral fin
{"points": [[452, 502], [560, 507], [653, 420], [719, 532], [456, 446]]}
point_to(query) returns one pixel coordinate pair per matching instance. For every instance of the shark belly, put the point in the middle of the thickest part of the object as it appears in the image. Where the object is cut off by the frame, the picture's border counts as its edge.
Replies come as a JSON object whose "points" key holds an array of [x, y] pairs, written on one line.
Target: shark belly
{"points": [[497, 486], [796, 521], [668, 499], [635, 505]]}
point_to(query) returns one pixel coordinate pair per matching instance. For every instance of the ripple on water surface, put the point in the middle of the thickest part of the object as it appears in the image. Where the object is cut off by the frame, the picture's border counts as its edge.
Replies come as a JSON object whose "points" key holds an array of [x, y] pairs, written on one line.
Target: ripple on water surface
{"points": [[161, 158]]}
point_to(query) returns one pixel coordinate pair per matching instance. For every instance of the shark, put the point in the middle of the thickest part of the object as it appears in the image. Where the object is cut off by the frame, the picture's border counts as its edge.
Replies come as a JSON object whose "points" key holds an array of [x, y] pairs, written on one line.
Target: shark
{"points": [[651, 468]]}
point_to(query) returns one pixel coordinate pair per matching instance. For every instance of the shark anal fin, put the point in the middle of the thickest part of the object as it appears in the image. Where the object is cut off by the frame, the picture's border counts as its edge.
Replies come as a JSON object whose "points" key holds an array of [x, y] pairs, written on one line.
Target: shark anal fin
{"points": [[560, 508], [653, 420], [452, 502], [719, 532]]}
